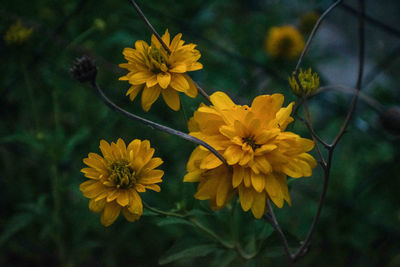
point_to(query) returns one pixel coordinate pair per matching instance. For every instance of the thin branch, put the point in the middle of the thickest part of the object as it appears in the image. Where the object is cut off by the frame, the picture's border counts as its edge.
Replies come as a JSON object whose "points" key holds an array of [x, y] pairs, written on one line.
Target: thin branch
{"points": [[148, 24], [202, 92], [361, 54], [157, 126], [361, 31], [313, 32], [315, 137], [270, 217], [307, 240]]}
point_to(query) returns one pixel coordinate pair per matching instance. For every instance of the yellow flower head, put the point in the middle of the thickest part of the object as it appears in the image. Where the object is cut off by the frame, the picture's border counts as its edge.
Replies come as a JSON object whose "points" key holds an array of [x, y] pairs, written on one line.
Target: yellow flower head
{"points": [[17, 34], [155, 71], [255, 144], [118, 176], [309, 82], [284, 42]]}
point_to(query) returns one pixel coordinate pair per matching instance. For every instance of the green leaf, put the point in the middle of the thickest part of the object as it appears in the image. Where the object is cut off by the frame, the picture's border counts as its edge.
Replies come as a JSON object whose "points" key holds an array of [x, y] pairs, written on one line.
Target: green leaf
{"points": [[183, 250]]}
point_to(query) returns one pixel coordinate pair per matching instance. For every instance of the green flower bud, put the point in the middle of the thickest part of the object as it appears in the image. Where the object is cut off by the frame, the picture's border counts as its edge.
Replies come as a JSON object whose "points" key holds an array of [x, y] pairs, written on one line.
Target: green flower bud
{"points": [[309, 82]]}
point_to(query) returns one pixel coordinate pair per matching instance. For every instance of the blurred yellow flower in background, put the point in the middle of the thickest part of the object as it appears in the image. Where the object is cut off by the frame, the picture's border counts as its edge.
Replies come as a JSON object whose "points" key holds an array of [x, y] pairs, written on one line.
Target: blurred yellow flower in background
{"points": [[255, 144], [17, 34], [284, 42], [154, 71], [118, 176]]}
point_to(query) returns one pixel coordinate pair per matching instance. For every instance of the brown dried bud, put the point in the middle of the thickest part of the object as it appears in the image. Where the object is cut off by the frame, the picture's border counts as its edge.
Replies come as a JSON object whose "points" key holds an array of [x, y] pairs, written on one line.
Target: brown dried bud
{"points": [[84, 69], [390, 120]]}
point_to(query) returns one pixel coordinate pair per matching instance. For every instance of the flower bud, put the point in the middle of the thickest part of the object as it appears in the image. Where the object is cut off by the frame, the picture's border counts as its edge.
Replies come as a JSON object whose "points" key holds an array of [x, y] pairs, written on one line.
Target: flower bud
{"points": [[309, 82]]}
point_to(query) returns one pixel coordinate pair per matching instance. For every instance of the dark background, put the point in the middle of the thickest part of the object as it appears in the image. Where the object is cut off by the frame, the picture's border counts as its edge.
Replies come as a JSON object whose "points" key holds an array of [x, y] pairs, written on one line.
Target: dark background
{"points": [[49, 123]]}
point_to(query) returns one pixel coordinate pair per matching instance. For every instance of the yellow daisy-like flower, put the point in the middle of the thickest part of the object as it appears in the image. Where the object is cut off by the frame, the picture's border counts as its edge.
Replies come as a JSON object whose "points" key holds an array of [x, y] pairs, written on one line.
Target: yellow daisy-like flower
{"points": [[255, 144], [17, 34], [118, 176], [284, 42], [154, 71]]}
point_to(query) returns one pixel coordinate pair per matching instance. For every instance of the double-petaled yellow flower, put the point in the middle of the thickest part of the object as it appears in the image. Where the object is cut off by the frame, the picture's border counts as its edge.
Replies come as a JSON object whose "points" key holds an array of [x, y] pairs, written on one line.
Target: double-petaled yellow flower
{"points": [[118, 176], [255, 144], [153, 70], [284, 42]]}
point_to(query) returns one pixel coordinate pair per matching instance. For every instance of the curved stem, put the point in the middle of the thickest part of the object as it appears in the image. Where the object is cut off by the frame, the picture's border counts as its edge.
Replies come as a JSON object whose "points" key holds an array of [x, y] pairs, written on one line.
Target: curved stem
{"points": [[314, 136], [154, 125], [274, 223], [307, 240], [314, 30], [361, 54], [148, 24]]}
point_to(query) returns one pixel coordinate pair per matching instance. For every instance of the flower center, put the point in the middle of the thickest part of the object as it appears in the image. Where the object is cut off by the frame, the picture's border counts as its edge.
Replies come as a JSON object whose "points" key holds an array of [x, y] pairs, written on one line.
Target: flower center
{"points": [[251, 142], [286, 43], [158, 59], [121, 175]]}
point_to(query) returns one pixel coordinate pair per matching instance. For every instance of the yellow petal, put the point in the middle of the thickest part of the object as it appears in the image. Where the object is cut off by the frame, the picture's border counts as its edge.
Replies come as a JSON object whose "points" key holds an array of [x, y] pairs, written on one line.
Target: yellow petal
{"points": [[222, 191], [163, 79], [238, 174], [258, 181], [110, 213], [166, 37], [233, 154], [274, 190], [171, 97], [96, 206], [153, 80], [258, 206], [179, 83], [149, 96], [175, 42], [192, 92], [135, 203], [134, 91], [210, 162], [246, 197], [207, 189], [141, 77], [123, 198], [130, 216], [221, 101], [193, 176], [178, 68]]}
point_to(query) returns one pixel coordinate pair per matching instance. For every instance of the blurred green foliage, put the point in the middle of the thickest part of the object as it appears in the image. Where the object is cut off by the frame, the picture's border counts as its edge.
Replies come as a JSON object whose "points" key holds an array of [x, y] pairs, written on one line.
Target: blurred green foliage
{"points": [[49, 123]]}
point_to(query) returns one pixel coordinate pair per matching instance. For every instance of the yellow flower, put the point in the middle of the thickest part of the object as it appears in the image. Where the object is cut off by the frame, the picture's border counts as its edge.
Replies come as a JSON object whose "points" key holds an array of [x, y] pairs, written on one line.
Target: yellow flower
{"points": [[155, 71], [309, 82], [17, 34], [284, 42], [255, 144], [118, 176]]}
